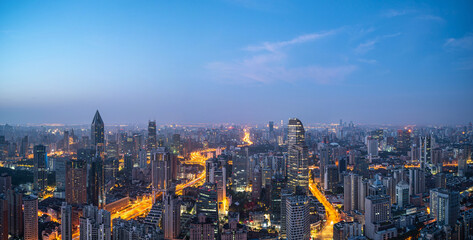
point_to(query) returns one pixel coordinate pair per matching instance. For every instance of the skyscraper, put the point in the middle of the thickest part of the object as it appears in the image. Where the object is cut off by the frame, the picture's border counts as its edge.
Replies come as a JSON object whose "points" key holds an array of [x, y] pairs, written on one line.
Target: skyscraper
{"points": [[402, 194], [298, 173], [444, 206], [351, 184], [40, 165], [297, 219], [96, 182], [207, 201], [416, 181], [425, 150], [152, 140], [76, 182], [172, 216], [30, 213], [97, 133], [15, 213], [3, 218], [161, 175], [66, 221], [95, 224], [5, 182]]}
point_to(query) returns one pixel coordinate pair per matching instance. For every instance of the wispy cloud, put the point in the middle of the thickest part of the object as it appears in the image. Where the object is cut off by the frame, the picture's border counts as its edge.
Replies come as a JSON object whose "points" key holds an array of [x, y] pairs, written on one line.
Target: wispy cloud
{"points": [[274, 46], [269, 65], [369, 61], [395, 13], [465, 42], [369, 45], [429, 17]]}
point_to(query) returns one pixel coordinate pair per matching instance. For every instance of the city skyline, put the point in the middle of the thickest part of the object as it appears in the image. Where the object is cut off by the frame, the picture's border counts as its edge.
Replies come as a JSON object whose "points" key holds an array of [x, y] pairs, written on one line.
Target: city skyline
{"points": [[236, 61]]}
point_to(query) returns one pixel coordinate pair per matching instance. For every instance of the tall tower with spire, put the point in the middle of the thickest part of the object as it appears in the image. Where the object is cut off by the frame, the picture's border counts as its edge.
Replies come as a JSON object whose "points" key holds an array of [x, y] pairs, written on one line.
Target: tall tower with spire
{"points": [[97, 133]]}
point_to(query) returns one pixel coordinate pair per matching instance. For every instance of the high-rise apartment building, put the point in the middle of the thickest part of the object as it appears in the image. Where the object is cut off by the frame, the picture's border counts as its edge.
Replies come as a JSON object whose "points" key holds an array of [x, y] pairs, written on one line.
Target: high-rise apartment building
{"points": [[95, 224], [15, 213], [378, 224], [202, 228], [3, 218], [444, 206], [66, 221], [76, 182], [30, 216], [161, 173], [297, 219], [172, 215], [298, 172], [416, 181], [40, 168]]}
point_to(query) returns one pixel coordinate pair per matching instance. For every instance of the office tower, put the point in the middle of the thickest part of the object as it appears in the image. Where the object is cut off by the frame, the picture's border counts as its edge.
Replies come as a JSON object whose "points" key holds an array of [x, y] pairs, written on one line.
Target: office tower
{"points": [[298, 172], [416, 181], [463, 158], [277, 185], [15, 213], [234, 231], [24, 147], [176, 144], [221, 184], [437, 156], [402, 194], [378, 224], [202, 229], [40, 168], [331, 177], [5, 183], [239, 174], [96, 182], [66, 221], [372, 145], [128, 159], [172, 215], [444, 206], [425, 150], [112, 149], [97, 134], [325, 154], [256, 184], [65, 141], [388, 182], [95, 224], [30, 215], [351, 184], [151, 142], [76, 182], [160, 170], [207, 201], [285, 193], [363, 189], [403, 140], [297, 219], [440, 180], [4, 225], [60, 169], [346, 230], [271, 126], [377, 187]]}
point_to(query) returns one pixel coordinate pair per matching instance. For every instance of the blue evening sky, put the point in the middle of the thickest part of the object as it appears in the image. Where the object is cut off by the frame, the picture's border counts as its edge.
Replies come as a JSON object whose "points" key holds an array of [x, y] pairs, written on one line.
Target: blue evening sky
{"points": [[241, 61]]}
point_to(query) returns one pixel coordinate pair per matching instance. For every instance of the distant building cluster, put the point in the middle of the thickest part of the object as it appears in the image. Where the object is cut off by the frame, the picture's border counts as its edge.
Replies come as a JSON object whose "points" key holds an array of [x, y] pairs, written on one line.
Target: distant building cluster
{"points": [[230, 182]]}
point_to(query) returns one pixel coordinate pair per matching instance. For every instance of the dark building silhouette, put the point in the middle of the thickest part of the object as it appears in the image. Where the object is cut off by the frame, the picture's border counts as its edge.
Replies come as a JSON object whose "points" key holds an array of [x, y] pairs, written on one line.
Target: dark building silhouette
{"points": [[76, 182], [97, 133], [40, 165]]}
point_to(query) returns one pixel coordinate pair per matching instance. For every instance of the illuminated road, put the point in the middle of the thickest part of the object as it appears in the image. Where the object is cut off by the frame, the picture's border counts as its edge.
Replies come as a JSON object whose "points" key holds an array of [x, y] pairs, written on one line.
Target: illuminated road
{"points": [[141, 207], [332, 215]]}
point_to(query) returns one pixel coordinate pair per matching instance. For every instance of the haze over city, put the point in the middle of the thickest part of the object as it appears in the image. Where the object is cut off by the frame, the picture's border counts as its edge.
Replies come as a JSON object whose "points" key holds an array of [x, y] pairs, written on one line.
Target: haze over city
{"points": [[397, 62]]}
